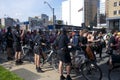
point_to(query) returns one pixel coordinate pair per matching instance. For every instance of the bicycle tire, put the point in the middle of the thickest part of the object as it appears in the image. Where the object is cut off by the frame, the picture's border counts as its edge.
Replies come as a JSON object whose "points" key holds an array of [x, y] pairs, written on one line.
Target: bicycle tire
{"points": [[113, 73], [89, 71], [55, 62]]}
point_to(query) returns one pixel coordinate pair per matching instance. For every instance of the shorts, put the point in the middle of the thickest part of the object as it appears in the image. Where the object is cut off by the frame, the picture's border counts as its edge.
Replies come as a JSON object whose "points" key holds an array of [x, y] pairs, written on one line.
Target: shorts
{"points": [[17, 47], [115, 58], [64, 56], [37, 50], [9, 45]]}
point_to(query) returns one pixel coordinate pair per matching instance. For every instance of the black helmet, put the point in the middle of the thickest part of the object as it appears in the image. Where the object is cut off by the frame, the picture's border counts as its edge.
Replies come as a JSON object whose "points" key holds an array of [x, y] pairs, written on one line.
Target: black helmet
{"points": [[17, 26], [63, 30], [9, 28]]}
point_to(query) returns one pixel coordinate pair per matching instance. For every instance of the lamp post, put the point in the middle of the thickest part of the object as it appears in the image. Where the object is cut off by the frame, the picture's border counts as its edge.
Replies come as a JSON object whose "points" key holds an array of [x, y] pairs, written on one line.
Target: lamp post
{"points": [[52, 12]]}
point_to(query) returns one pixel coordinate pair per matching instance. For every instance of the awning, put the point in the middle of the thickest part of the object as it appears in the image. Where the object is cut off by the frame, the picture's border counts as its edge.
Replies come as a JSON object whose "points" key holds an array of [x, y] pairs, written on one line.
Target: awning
{"points": [[112, 18]]}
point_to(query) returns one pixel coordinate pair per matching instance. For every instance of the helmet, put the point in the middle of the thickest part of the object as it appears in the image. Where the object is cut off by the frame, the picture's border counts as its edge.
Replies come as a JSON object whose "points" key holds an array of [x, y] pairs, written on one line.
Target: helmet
{"points": [[63, 30], [17, 26], [9, 28]]}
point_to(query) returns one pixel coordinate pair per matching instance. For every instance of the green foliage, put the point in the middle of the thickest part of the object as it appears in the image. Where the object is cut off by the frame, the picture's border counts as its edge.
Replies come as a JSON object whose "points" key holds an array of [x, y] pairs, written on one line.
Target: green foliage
{"points": [[7, 75]]}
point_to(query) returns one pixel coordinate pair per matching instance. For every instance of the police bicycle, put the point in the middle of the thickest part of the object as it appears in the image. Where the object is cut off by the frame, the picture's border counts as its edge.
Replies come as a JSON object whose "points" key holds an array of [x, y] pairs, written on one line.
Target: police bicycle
{"points": [[87, 66]]}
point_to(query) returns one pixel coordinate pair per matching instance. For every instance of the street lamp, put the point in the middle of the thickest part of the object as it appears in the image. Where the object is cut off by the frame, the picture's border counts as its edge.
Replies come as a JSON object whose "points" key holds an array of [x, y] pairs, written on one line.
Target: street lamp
{"points": [[52, 12]]}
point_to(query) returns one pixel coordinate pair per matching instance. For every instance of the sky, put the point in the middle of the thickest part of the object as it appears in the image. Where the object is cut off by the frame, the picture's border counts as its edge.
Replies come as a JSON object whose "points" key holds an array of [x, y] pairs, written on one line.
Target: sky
{"points": [[22, 9]]}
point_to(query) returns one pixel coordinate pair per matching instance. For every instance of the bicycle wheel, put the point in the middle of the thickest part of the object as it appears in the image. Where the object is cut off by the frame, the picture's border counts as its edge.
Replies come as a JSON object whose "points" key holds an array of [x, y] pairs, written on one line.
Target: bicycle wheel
{"points": [[55, 62], [91, 71], [114, 73]]}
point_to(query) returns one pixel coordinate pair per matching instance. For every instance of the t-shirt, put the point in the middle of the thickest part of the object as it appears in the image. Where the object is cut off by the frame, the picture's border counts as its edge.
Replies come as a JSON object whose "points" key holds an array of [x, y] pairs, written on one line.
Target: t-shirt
{"points": [[63, 41], [113, 41]]}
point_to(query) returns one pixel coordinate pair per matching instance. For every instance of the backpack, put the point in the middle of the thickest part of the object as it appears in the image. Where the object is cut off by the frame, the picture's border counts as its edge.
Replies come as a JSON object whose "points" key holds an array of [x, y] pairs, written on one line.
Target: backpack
{"points": [[75, 40]]}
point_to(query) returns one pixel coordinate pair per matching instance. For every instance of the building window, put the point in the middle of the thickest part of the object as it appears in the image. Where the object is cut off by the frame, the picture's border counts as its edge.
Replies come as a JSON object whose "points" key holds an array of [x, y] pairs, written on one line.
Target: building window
{"points": [[115, 12], [115, 4]]}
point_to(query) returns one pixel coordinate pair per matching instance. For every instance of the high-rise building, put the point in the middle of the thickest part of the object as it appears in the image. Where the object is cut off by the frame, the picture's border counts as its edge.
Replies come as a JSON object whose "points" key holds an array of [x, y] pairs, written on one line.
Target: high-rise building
{"points": [[102, 6], [113, 14], [90, 12], [76, 12]]}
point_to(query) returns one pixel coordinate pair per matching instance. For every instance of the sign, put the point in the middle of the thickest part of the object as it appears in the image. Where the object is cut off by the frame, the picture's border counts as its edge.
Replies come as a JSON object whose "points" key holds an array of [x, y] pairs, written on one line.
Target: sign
{"points": [[50, 27]]}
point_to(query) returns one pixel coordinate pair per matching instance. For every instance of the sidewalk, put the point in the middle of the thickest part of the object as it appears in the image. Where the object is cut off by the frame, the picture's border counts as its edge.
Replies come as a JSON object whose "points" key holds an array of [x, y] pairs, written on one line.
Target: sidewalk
{"points": [[27, 71]]}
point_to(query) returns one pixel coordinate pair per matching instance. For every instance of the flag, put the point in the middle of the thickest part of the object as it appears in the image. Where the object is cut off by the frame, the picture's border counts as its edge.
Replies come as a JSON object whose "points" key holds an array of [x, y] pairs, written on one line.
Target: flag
{"points": [[80, 10]]}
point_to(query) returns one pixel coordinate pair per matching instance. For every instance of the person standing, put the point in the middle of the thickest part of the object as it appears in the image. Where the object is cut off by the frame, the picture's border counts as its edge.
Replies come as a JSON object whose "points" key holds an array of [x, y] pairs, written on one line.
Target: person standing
{"points": [[9, 41], [17, 44], [63, 53], [37, 51]]}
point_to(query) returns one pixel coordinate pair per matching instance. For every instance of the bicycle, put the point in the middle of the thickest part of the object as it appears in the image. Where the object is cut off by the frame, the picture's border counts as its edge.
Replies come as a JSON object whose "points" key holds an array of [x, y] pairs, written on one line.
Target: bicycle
{"points": [[113, 73], [51, 58], [88, 68], [81, 64], [27, 51], [115, 70]]}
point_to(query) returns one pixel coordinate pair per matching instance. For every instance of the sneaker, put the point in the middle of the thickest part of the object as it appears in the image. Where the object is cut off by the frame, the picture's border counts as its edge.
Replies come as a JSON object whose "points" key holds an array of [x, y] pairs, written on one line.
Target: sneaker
{"points": [[39, 70], [68, 77], [21, 62], [17, 62], [62, 77]]}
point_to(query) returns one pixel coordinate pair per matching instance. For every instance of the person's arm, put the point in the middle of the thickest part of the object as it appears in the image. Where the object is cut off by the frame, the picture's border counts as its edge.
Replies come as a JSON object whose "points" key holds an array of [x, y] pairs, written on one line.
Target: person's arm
{"points": [[22, 34]]}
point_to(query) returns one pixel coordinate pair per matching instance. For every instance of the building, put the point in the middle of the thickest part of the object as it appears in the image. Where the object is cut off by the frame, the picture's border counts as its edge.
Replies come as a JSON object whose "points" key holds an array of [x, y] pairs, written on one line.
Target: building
{"points": [[76, 12], [101, 16], [45, 19], [38, 21], [90, 12], [6, 22], [102, 6], [70, 13], [113, 14]]}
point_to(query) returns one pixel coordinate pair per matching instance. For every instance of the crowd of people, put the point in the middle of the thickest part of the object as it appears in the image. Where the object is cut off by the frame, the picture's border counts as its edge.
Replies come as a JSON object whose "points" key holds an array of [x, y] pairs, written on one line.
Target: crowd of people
{"points": [[60, 39]]}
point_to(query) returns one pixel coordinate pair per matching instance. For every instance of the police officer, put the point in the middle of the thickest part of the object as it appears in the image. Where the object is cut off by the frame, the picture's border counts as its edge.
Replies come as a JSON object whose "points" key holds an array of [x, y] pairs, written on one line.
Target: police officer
{"points": [[37, 51], [17, 44], [9, 41], [63, 53]]}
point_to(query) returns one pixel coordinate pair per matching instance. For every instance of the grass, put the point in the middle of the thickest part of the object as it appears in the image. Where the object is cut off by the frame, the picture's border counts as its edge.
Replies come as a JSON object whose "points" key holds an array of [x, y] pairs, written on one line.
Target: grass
{"points": [[7, 75]]}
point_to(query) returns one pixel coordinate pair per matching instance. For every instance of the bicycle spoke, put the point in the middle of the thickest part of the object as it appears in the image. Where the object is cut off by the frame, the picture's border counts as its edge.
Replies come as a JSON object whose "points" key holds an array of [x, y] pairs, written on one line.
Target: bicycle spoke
{"points": [[91, 71], [114, 74]]}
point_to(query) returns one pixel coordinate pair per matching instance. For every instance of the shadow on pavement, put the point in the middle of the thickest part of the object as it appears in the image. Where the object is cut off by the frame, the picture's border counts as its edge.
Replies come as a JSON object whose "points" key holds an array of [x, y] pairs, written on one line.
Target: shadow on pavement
{"points": [[26, 74]]}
